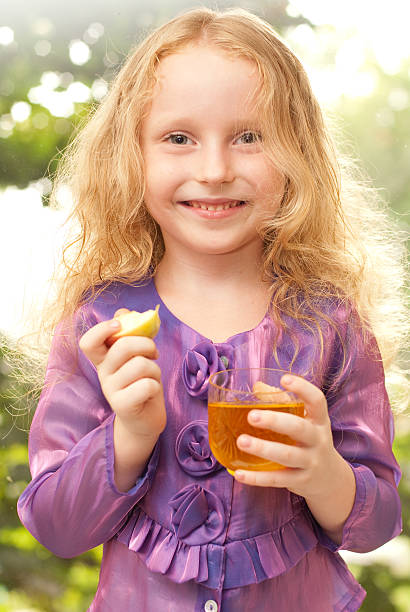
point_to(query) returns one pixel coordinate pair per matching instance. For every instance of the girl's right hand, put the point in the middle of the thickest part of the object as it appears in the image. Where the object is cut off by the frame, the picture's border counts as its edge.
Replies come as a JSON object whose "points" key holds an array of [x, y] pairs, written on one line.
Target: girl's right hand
{"points": [[129, 377]]}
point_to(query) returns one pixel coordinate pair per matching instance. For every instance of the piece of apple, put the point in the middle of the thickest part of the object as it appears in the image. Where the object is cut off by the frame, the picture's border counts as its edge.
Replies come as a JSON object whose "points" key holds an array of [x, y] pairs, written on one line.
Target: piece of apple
{"points": [[270, 393], [135, 323]]}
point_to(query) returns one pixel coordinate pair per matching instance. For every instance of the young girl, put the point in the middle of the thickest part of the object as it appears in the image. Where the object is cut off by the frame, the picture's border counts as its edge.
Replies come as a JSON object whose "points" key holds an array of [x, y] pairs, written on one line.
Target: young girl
{"points": [[206, 183]]}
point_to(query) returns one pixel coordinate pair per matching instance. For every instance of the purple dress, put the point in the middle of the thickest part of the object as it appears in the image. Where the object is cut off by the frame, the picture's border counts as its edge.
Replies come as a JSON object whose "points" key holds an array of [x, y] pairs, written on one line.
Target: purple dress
{"points": [[187, 536]]}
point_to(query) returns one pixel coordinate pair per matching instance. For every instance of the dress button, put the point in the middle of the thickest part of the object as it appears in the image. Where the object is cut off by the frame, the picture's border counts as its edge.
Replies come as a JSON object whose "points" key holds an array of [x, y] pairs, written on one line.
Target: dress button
{"points": [[225, 361], [211, 606]]}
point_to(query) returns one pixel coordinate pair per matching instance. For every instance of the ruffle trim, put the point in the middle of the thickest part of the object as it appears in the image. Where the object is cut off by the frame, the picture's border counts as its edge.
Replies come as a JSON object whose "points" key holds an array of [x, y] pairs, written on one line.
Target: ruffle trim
{"points": [[235, 564]]}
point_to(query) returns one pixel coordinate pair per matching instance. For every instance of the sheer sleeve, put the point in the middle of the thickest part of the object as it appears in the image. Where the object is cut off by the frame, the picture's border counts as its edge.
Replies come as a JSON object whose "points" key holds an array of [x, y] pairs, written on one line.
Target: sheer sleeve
{"points": [[363, 431], [72, 503]]}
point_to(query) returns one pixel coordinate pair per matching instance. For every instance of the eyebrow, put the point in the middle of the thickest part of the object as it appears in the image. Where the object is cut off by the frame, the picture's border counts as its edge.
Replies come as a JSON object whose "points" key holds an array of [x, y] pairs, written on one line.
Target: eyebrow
{"points": [[248, 123]]}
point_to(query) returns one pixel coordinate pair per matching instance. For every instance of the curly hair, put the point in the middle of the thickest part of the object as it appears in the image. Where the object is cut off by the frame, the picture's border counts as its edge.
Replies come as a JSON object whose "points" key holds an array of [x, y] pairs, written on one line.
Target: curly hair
{"points": [[331, 238]]}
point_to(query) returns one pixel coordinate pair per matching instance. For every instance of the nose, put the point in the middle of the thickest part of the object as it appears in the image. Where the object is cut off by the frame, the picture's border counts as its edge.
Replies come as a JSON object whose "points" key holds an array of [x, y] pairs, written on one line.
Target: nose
{"points": [[215, 165]]}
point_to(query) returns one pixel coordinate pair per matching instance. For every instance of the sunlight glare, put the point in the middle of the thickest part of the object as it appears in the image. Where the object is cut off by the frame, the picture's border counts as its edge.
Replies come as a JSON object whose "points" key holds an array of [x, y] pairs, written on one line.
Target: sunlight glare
{"points": [[6, 36], [383, 30], [33, 255], [64, 197], [351, 55]]}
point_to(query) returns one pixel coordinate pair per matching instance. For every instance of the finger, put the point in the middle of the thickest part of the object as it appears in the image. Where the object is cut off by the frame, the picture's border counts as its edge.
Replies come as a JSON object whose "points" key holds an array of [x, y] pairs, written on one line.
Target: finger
{"points": [[287, 455], [135, 369], [126, 348], [93, 342], [138, 393], [120, 311], [110, 341], [281, 479], [312, 396], [291, 425]]}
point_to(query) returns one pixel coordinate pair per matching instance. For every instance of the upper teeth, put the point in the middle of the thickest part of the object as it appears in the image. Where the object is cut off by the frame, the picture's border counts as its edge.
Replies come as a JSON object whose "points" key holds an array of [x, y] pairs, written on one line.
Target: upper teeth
{"points": [[204, 206]]}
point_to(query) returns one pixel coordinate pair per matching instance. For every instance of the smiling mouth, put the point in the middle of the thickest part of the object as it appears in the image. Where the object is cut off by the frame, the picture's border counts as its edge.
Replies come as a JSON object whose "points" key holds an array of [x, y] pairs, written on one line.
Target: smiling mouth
{"points": [[208, 206]]}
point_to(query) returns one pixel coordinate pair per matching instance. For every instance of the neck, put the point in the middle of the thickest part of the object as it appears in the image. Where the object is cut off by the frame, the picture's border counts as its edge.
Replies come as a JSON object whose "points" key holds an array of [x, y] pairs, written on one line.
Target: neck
{"points": [[217, 295], [237, 269]]}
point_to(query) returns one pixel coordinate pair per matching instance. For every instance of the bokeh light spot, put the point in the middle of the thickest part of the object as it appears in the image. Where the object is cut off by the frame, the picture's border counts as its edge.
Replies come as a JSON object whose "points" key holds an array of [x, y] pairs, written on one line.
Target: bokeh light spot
{"points": [[79, 92], [99, 89], [40, 121], [20, 111], [6, 35], [7, 124], [93, 33], [42, 47], [399, 99], [50, 80], [292, 10], [59, 104], [42, 26], [385, 117], [66, 78], [79, 52]]}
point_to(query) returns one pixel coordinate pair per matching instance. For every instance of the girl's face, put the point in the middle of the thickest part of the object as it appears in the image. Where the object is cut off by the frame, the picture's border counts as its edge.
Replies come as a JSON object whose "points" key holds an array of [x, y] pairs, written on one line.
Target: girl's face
{"points": [[207, 178]]}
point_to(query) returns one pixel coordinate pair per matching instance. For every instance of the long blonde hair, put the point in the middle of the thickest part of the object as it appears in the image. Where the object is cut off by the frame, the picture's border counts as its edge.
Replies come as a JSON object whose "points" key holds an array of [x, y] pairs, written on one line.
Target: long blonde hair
{"points": [[331, 237]]}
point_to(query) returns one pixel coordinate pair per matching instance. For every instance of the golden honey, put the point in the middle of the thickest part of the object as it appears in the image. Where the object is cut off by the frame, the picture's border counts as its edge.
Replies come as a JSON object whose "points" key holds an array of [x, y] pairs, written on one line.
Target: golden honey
{"points": [[227, 421]]}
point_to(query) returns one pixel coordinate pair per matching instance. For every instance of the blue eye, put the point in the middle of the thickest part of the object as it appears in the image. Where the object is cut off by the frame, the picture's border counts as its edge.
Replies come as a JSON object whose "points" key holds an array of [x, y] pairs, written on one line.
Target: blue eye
{"points": [[179, 139], [250, 138]]}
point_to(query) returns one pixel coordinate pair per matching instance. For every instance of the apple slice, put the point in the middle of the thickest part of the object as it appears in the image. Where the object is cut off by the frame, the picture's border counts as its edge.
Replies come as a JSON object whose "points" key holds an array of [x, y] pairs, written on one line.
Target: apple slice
{"points": [[135, 323], [270, 393]]}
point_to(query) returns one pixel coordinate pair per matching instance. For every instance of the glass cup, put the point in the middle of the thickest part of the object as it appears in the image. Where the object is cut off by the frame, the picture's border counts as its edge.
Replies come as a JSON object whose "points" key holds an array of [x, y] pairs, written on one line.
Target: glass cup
{"points": [[231, 395]]}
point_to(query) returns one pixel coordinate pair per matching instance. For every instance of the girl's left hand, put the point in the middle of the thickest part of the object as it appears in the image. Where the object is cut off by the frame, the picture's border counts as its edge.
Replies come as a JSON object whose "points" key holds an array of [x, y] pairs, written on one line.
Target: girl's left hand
{"points": [[312, 463]]}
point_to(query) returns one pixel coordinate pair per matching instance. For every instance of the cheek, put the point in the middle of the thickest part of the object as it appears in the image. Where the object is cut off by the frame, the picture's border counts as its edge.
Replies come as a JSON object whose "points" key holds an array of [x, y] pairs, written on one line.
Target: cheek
{"points": [[157, 182], [161, 175], [270, 183]]}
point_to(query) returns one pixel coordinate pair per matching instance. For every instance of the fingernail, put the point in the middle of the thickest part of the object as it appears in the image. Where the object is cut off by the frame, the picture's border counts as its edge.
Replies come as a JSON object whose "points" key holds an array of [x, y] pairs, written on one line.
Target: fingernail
{"points": [[286, 379], [239, 475], [254, 416], [244, 440], [115, 324]]}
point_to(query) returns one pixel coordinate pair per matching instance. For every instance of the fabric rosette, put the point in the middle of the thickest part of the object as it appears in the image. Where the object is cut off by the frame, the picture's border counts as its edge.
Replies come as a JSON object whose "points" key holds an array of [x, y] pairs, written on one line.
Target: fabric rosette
{"points": [[197, 515], [193, 452], [201, 362]]}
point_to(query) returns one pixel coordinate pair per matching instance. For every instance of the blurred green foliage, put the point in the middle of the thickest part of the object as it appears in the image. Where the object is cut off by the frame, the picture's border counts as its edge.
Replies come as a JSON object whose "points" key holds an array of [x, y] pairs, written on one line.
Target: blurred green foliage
{"points": [[31, 578], [388, 585], [31, 152], [378, 128]]}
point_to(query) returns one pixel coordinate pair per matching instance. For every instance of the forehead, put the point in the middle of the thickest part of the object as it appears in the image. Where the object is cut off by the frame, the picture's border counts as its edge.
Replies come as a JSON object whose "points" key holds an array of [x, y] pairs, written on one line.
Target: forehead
{"points": [[203, 78]]}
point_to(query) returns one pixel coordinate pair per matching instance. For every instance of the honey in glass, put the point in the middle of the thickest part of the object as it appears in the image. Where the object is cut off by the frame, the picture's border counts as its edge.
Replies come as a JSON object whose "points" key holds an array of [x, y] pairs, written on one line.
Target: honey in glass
{"points": [[228, 410]]}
